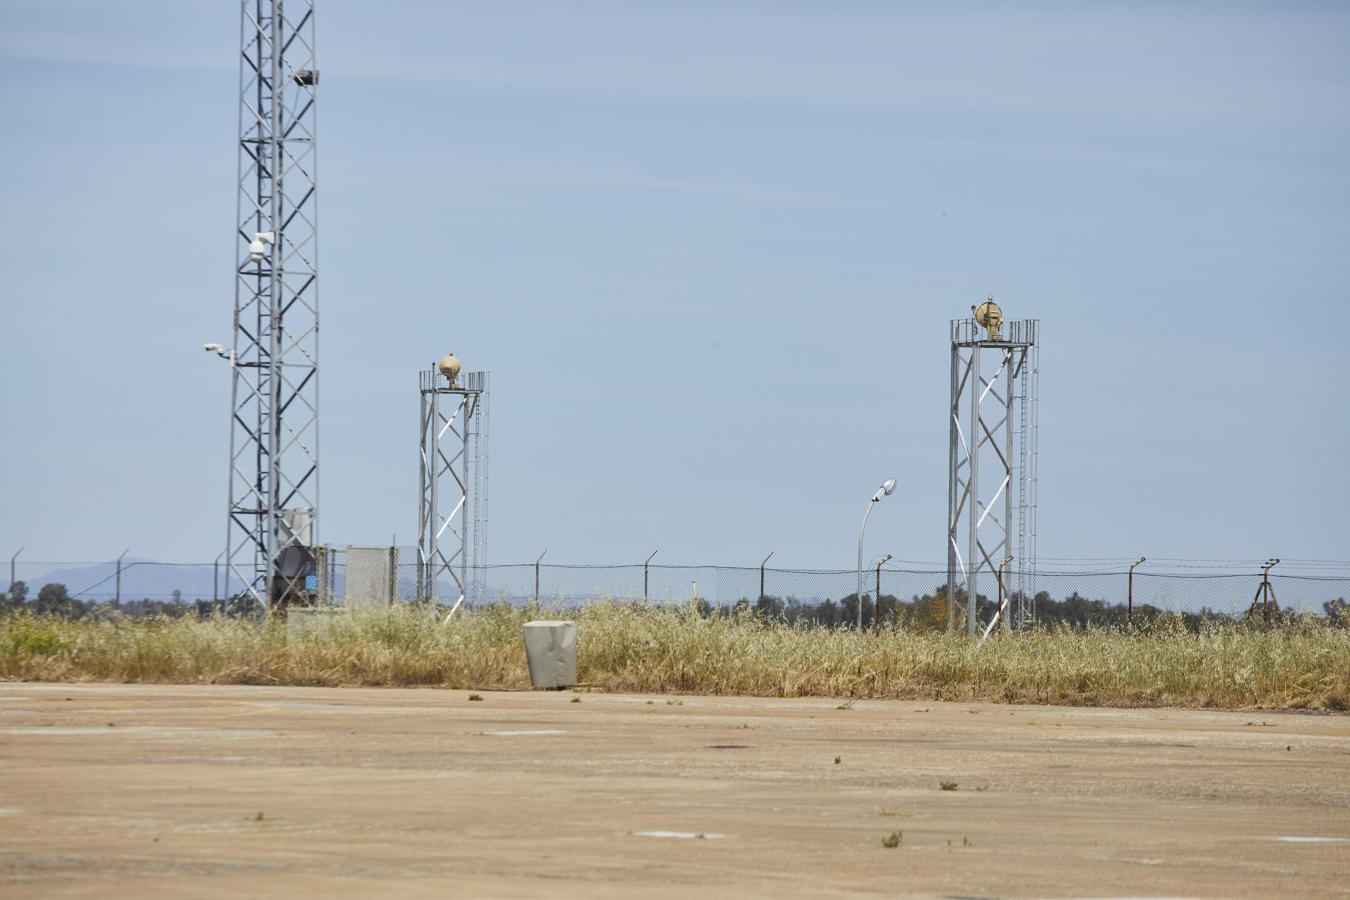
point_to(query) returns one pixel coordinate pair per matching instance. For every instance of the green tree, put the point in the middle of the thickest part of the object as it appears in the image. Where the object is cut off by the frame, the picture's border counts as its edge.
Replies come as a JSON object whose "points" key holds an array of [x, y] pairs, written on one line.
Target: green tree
{"points": [[768, 607], [55, 600], [16, 598], [827, 613], [848, 610]]}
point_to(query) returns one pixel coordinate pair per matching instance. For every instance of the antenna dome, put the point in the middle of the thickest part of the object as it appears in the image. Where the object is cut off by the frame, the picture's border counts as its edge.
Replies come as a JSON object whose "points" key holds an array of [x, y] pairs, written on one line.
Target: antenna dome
{"points": [[989, 316], [449, 366]]}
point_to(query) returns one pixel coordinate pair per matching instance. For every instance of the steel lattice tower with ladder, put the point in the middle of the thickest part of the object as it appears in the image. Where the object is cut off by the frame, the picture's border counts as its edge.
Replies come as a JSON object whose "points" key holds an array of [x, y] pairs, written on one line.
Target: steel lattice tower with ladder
{"points": [[453, 483], [274, 394], [992, 480]]}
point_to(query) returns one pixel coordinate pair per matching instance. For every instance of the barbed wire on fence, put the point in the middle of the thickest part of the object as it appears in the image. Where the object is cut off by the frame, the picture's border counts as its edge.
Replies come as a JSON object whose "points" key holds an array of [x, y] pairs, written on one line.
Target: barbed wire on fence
{"points": [[1224, 587]]}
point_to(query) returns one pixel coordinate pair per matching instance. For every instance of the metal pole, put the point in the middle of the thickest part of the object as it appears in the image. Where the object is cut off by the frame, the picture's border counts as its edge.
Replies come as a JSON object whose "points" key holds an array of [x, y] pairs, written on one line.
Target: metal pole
{"points": [[973, 553], [536, 575], [215, 581], [645, 596], [119, 574], [1266, 589], [858, 593], [1129, 608], [1001, 566], [994, 619], [761, 576], [433, 551], [276, 261], [876, 614], [11, 567], [953, 435], [466, 410], [1008, 473]]}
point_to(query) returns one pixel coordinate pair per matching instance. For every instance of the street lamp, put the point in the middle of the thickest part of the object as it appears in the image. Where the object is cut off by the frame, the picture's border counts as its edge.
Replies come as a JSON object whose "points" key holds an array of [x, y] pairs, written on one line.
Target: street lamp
{"points": [[887, 488]]}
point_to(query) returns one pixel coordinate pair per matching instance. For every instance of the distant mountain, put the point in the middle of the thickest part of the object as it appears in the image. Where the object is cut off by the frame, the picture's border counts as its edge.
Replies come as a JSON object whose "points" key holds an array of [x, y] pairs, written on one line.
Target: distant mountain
{"points": [[140, 578]]}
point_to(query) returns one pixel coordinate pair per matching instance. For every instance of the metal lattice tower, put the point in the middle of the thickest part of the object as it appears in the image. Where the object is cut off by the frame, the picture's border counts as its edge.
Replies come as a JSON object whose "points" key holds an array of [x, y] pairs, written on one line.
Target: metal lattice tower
{"points": [[274, 395], [452, 474], [992, 468]]}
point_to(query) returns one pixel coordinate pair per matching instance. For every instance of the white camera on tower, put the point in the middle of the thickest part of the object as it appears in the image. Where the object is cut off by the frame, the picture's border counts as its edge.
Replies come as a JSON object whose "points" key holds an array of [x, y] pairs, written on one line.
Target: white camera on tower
{"points": [[261, 241]]}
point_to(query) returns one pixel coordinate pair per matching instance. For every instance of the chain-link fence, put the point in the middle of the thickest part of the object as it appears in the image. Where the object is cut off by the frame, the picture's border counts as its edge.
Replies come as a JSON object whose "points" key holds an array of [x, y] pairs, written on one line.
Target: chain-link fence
{"points": [[1226, 594], [382, 575]]}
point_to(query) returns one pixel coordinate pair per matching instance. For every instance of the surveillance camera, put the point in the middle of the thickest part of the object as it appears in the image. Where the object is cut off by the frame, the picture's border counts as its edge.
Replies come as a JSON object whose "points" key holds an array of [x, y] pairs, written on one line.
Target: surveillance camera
{"points": [[258, 247], [213, 348]]}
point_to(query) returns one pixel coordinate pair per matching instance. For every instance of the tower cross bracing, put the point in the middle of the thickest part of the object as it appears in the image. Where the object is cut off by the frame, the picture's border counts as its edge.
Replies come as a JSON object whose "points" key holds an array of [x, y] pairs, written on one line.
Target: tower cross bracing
{"points": [[452, 477], [991, 524], [274, 395]]}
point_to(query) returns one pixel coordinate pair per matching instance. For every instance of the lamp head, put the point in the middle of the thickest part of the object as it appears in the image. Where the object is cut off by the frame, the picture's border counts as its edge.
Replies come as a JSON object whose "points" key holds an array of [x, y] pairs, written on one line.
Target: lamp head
{"points": [[888, 486]]}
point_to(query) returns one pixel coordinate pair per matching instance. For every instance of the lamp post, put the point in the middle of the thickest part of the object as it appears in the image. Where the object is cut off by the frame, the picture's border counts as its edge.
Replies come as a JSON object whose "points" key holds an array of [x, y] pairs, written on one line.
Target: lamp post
{"points": [[886, 489]]}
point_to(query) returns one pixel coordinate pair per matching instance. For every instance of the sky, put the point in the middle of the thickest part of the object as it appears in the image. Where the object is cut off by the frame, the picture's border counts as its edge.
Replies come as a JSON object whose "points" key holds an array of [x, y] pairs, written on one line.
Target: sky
{"points": [[709, 252]]}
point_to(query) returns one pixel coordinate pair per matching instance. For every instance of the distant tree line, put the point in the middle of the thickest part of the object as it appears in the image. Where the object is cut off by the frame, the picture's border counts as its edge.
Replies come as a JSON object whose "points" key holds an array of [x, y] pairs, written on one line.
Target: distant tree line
{"points": [[55, 600], [929, 612]]}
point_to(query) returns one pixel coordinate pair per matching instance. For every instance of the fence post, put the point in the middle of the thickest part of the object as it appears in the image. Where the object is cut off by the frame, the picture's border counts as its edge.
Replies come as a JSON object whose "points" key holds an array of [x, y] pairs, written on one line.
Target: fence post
{"points": [[393, 575], [11, 567], [321, 574], [536, 576], [761, 576], [1129, 590], [646, 596], [119, 575], [876, 606]]}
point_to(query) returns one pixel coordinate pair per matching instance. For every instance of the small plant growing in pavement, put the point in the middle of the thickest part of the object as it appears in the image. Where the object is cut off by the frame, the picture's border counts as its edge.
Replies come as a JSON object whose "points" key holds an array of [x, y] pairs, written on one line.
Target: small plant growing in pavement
{"points": [[948, 785], [475, 696], [892, 840]]}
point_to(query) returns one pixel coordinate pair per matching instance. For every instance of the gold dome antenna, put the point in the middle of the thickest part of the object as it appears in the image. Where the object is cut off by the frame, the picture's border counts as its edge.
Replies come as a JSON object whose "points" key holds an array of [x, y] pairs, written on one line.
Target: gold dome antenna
{"points": [[989, 317], [449, 366]]}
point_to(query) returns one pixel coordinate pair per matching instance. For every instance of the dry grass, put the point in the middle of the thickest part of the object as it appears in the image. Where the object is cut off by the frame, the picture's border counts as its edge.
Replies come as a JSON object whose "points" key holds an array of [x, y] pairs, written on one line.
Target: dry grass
{"points": [[642, 649]]}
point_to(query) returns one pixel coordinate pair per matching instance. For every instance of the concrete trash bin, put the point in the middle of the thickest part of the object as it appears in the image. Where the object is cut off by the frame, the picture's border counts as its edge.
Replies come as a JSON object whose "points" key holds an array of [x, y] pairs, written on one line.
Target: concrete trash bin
{"points": [[551, 651]]}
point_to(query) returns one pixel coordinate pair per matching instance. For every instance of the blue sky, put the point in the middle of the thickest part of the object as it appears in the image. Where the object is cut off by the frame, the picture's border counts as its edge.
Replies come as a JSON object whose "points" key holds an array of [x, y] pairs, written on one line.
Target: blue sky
{"points": [[708, 252]]}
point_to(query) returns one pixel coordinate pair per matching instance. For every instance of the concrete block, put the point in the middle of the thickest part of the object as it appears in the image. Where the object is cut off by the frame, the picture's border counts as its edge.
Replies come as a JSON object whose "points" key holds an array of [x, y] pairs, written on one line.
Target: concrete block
{"points": [[551, 651]]}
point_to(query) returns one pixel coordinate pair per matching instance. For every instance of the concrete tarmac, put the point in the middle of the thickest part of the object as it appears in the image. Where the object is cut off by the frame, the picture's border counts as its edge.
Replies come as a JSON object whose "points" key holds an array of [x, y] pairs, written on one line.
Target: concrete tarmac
{"points": [[213, 791]]}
